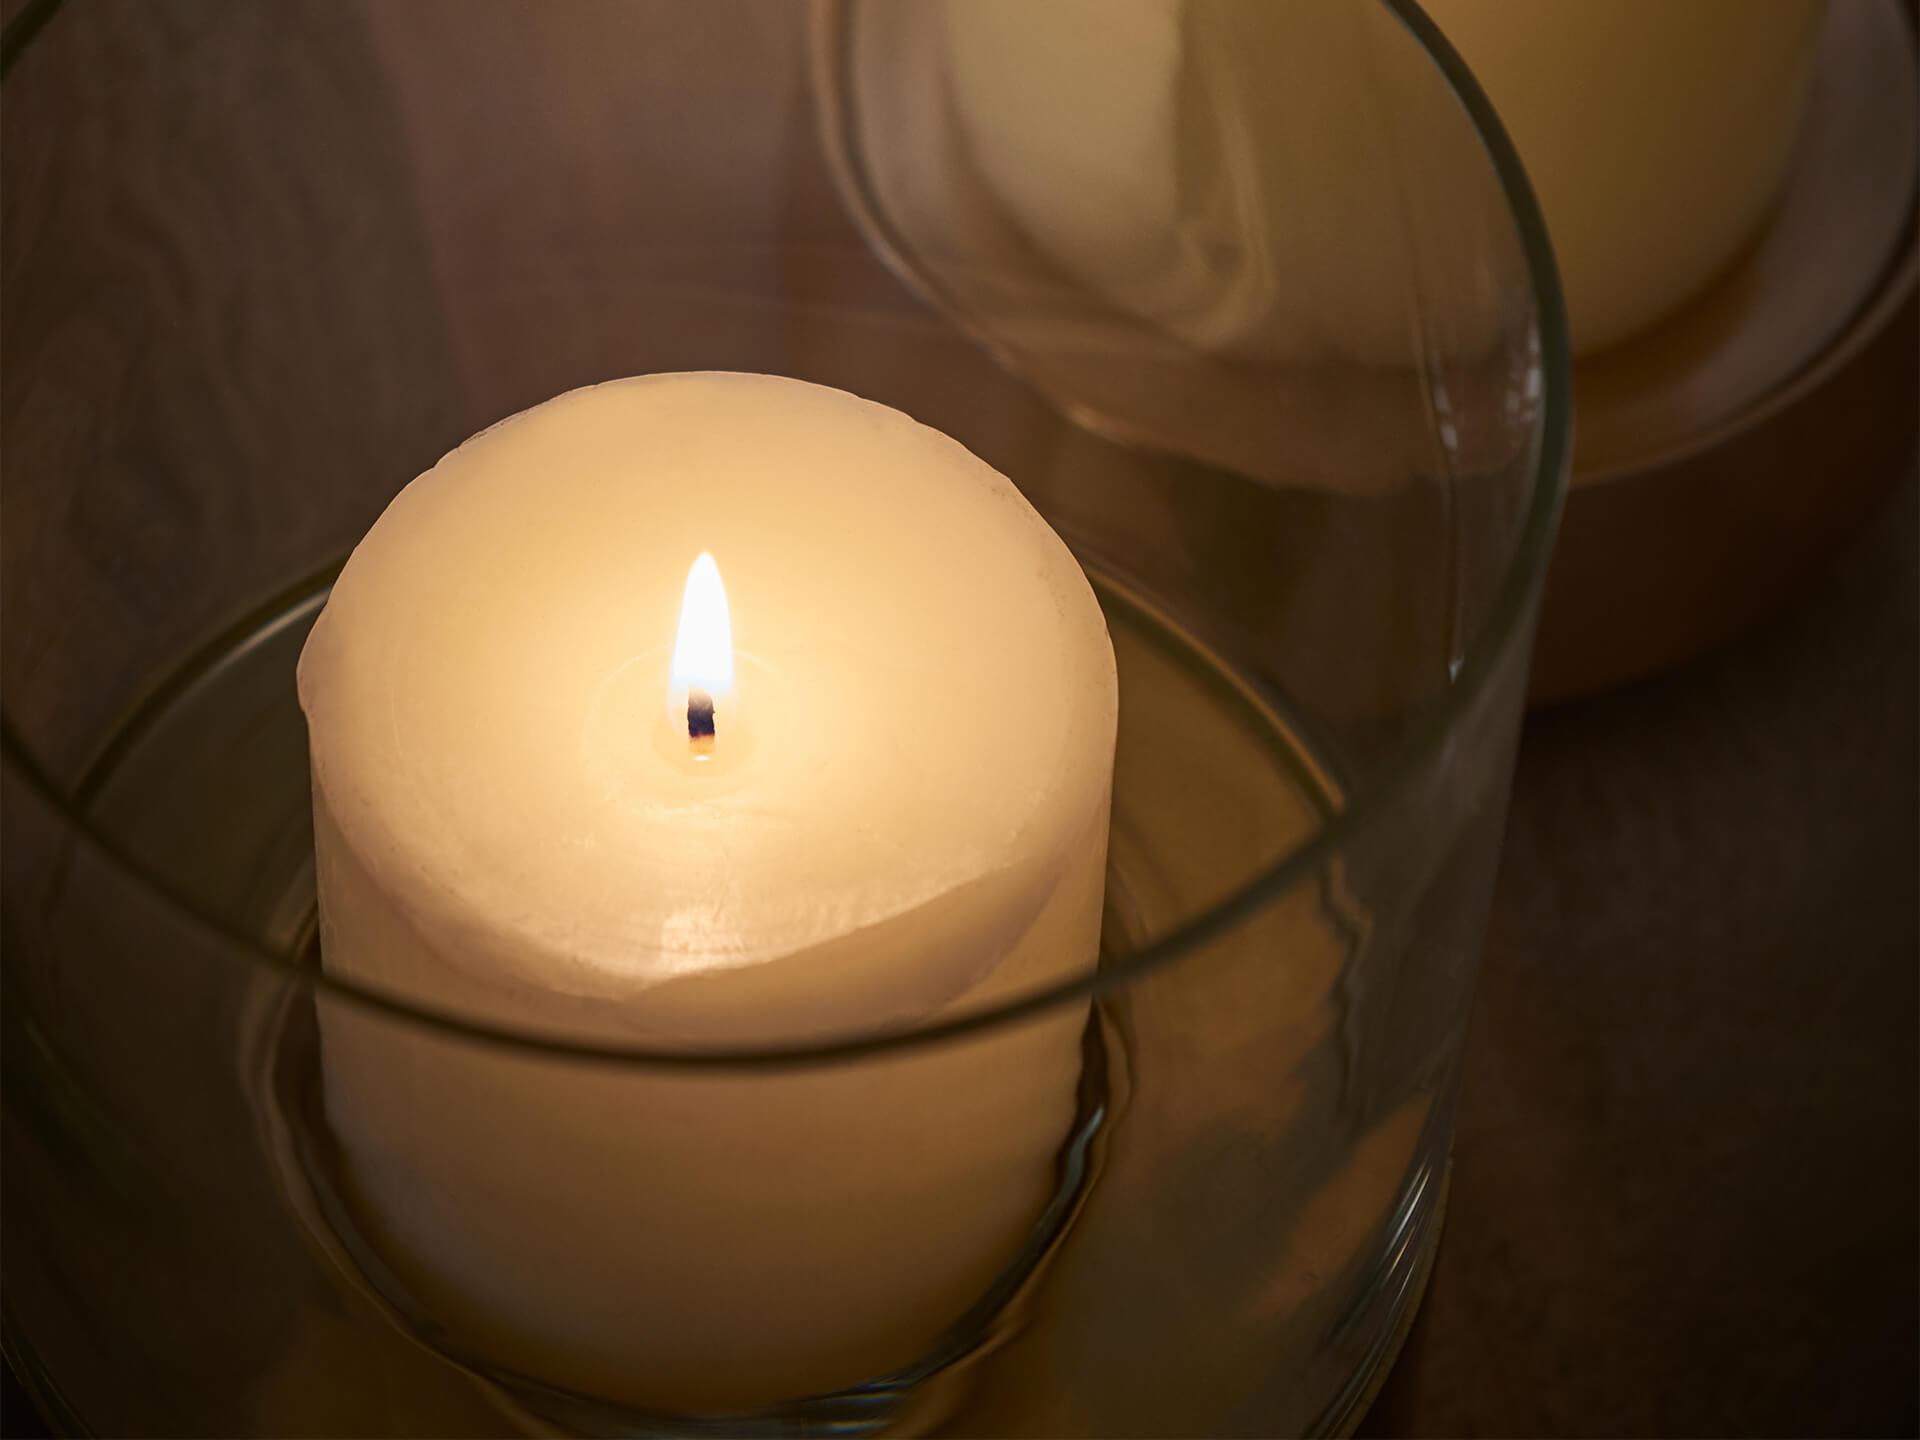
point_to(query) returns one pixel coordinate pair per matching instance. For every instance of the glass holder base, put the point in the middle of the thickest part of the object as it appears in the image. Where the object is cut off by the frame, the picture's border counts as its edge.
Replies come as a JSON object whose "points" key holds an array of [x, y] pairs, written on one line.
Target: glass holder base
{"points": [[908, 1400]]}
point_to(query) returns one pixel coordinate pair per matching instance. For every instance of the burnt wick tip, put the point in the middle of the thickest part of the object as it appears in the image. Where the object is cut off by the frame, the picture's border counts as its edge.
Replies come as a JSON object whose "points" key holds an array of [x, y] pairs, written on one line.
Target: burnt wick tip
{"points": [[699, 715]]}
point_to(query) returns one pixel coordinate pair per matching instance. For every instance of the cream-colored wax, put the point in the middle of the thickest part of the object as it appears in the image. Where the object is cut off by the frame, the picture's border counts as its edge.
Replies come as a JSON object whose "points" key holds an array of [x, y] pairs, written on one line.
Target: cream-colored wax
{"points": [[902, 815], [1262, 180], [1655, 132], [1217, 169]]}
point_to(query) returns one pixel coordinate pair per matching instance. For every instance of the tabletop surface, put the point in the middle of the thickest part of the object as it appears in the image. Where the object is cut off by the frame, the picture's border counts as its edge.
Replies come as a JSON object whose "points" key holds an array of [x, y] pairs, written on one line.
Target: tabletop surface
{"points": [[1685, 1180], [1684, 1187], [1684, 1190]]}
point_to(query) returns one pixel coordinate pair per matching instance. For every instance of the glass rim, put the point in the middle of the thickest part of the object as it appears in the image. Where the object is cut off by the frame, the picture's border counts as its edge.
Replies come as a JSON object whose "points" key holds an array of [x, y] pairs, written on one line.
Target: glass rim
{"points": [[1504, 626]]}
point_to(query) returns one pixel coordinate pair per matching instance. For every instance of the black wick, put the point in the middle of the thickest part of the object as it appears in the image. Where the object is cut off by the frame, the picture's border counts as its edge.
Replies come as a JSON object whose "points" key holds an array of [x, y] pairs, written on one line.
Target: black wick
{"points": [[699, 715]]}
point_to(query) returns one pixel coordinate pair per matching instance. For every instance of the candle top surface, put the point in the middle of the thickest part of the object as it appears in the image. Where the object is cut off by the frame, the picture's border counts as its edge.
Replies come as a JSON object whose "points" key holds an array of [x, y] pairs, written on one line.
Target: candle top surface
{"points": [[921, 723]]}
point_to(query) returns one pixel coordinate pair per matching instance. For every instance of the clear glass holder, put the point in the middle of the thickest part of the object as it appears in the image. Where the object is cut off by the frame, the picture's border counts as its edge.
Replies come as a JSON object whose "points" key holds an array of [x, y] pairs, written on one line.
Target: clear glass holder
{"points": [[1317, 527]]}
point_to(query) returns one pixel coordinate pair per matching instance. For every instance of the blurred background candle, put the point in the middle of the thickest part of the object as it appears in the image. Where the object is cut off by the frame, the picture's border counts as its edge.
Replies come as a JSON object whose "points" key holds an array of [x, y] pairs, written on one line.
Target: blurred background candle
{"points": [[1163, 153], [1656, 134], [551, 793]]}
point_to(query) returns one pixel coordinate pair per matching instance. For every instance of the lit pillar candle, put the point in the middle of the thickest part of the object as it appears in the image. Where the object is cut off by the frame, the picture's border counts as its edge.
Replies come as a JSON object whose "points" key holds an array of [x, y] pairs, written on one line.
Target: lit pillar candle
{"points": [[851, 770]]}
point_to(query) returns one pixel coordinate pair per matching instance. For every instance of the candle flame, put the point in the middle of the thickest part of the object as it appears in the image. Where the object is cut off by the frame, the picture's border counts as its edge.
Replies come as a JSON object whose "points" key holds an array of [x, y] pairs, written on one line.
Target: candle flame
{"points": [[703, 650]]}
